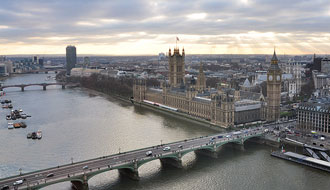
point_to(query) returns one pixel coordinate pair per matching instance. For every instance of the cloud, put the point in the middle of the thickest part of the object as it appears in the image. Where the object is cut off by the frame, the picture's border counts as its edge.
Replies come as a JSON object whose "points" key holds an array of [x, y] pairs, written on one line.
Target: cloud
{"points": [[203, 25]]}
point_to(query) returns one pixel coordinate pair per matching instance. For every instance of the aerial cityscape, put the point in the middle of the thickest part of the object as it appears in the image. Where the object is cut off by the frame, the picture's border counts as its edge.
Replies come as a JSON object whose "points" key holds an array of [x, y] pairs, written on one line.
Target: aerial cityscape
{"points": [[144, 94]]}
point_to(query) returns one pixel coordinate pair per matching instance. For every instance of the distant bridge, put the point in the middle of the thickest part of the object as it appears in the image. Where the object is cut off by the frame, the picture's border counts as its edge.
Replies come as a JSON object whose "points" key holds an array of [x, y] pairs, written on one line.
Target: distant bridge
{"points": [[44, 85], [127, 163]]}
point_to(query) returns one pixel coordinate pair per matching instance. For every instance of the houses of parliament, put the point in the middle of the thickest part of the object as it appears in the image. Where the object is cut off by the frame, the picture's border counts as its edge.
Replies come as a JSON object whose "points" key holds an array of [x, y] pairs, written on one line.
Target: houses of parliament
{"points": [[223, 107]]}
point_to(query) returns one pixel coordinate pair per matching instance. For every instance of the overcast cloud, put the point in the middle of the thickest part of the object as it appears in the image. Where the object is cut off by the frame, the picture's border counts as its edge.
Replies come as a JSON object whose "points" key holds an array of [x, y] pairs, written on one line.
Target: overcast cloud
{"points": [[149, 27]]}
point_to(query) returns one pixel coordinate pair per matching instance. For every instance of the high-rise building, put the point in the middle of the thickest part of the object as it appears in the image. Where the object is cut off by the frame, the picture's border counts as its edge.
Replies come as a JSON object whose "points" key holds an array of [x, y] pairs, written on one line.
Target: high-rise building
{"points": [[71, 58], [176, 67], [274, 80], [41, 62], [35, 60]]}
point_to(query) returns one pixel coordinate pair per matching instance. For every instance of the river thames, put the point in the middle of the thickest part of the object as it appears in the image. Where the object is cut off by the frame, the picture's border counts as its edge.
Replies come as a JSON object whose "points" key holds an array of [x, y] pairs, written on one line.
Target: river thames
{"points": [[81, 124]]}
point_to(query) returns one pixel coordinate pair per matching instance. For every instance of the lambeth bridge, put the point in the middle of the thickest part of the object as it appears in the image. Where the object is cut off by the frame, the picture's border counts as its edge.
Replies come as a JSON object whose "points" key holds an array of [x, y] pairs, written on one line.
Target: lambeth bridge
{"points": [[127, 163], [43, 85]]}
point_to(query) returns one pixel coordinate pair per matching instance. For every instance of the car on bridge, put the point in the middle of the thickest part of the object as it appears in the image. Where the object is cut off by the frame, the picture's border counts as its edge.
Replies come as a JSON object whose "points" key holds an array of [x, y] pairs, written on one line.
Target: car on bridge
{"points": [[85, 167], [5, 187], [149, 153], [166, 148], [50, 175], [18, 182]]}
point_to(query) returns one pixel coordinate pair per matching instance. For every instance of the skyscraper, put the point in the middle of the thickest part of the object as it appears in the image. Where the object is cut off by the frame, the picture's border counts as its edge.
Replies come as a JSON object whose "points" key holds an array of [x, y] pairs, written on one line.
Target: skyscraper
{"points": [[71, 58], [274, 79]]}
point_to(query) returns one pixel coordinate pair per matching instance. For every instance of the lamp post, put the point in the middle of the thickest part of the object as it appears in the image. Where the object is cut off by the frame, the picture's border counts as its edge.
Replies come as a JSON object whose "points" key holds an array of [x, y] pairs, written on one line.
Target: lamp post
{"points": [[71, 160], [161, 142], [20, 171], [119, 150]]}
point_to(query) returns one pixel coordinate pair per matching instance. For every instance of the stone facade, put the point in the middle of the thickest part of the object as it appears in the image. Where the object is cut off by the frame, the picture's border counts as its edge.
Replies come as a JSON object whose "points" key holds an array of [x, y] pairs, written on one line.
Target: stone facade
{"points": [[222, 107], [314, 116], [274, 80], [176, 67]]}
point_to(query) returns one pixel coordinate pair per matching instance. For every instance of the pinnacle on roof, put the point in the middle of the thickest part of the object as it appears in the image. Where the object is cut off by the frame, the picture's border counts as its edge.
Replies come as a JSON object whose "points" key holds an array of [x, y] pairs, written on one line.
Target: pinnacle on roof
{"points": [[274, 58]]}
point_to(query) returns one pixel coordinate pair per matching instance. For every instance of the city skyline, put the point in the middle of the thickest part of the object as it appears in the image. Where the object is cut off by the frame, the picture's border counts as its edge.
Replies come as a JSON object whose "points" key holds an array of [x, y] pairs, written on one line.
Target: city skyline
{"points": [[149, 27]]}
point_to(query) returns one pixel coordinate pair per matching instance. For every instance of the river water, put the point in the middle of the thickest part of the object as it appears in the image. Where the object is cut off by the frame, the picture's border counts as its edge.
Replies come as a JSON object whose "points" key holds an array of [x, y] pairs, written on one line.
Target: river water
{"points": [[81, 124]]}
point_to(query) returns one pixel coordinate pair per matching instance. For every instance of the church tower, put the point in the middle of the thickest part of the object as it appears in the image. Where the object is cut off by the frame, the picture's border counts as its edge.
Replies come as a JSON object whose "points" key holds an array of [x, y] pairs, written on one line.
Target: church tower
{"points": [[201, 82], [176, 67], [274, 79]]}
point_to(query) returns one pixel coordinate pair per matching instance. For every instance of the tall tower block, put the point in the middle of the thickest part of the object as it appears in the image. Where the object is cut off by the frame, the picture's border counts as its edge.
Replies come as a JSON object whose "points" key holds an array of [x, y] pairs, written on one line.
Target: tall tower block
{"points": [[176, 67], [274, 80]]}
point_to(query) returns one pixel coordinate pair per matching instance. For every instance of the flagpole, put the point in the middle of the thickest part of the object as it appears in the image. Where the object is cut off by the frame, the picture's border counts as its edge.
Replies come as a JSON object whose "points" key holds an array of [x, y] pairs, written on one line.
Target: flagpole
{"points": [[176, 42]]}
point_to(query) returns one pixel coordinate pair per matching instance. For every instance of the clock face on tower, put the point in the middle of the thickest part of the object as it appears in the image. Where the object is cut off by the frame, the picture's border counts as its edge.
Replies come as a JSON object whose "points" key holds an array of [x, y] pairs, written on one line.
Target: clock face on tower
{"points": [[278, 77], [270, 77]]}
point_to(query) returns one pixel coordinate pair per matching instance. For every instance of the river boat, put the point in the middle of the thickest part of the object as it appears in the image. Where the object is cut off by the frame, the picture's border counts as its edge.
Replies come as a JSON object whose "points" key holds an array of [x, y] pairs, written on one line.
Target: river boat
{"points": [[10, 106], [39, 134], [34, 135], [23, 125], [10, 126], [4, 106], [17, 125], [23, 116], [20, 110], [8, 117], [29, 135]]}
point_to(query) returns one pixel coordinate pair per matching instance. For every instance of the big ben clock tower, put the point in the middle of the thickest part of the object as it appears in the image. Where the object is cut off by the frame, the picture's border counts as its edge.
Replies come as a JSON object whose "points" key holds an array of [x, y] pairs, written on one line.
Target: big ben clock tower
{"points": [[274, 79]]}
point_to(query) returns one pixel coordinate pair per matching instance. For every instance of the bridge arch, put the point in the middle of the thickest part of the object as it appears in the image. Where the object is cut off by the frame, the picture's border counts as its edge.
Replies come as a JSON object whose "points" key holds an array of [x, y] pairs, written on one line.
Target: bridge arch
{"points": [[41, 185]]}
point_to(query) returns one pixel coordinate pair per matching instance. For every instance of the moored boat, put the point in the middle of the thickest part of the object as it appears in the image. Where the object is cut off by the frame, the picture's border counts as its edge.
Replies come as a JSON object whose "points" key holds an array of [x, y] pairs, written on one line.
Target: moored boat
{"points": [[39, 134], [17, 125], [10, 126], [29, 135], [23, 125], [34, 135]]}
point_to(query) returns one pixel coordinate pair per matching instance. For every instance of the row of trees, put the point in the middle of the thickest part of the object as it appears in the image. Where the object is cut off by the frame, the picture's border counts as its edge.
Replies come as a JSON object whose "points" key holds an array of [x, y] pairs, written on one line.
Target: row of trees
{"points": [[108, 85], [105, 84]]}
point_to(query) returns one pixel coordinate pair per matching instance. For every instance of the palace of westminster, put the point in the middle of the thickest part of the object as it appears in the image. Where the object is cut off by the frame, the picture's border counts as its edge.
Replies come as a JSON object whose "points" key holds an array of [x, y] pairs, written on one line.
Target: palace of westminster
{"points": [[224, 106]]}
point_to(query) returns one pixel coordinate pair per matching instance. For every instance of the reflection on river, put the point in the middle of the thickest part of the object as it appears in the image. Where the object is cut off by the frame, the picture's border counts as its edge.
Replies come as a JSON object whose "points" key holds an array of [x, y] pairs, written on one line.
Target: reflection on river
{"points": [[81, 124]]}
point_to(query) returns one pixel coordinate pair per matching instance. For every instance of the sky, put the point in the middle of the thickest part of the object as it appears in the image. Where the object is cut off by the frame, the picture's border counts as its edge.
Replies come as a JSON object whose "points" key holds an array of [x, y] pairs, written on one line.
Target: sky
{"points": [[142, 27]]}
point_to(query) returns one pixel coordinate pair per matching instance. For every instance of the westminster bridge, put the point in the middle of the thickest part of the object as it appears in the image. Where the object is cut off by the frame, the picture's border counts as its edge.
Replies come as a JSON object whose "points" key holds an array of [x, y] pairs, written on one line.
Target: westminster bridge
{"points": [[127, 163]]}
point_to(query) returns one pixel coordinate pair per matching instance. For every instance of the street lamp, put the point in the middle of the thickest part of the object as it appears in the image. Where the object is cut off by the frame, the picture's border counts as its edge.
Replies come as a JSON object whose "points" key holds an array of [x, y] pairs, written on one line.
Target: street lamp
{"points": [[71, 160], [119, 150], [20, 171], [161, 142]]}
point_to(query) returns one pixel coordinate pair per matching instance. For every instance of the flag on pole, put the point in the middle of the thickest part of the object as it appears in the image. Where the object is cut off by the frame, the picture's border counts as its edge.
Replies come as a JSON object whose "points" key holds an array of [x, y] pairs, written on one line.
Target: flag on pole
{"points": [[177, 39]]}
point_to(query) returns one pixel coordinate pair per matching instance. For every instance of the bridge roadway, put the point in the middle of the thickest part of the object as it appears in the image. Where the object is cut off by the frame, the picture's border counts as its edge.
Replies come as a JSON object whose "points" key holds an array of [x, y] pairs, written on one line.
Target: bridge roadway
{"points": [[127, 162]]}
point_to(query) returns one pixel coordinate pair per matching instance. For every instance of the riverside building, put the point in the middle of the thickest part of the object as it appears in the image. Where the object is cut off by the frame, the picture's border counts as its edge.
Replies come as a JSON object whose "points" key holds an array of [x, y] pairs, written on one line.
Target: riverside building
{"points": [[223, 107], [315, 115]]}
